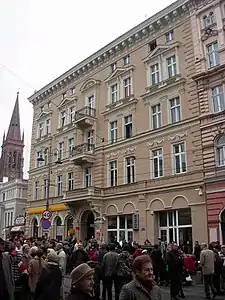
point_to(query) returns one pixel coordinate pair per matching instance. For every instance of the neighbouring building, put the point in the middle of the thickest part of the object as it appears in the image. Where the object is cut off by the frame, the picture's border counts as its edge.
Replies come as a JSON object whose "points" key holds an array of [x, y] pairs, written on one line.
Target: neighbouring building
{"points": [[116, 140], [208, 27], [13, 188]]}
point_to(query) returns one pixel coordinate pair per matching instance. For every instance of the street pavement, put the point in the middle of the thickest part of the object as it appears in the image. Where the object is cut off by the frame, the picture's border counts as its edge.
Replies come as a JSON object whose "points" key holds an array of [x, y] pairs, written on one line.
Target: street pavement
{"points": [[193, 292]]}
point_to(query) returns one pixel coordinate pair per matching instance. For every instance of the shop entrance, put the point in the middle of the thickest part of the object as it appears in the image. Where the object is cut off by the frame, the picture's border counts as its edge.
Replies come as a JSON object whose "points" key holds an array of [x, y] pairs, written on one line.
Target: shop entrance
{"points": [[87, 225]]}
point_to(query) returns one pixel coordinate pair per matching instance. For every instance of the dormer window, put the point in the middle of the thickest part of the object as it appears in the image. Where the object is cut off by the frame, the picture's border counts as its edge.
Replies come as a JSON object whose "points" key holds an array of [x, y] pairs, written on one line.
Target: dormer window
{"points": [[63, 118], [64, 96], [152, 45], [73, 90], [113, 66], [208, 19]]}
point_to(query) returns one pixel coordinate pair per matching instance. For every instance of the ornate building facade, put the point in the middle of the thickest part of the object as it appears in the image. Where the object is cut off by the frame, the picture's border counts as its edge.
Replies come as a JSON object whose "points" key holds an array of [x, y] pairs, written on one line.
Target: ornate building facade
{"points": [[124, 129], [208, 26]]}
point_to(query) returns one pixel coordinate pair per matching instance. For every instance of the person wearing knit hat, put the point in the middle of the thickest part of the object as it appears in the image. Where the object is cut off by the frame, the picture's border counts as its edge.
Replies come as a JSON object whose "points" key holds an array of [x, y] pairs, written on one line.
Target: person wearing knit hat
{"points": [[82, 283]]}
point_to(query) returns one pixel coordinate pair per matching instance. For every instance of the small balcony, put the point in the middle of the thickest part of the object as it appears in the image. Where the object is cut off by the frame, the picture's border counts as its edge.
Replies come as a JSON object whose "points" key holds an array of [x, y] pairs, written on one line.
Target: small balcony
{"points": [[83, 154], [81, 194], [84, 117]]}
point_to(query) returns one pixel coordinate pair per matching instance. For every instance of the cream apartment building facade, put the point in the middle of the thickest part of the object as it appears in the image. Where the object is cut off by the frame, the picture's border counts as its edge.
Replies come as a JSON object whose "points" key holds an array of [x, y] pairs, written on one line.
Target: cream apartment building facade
{"points": [[208, 27], [124, 125]]}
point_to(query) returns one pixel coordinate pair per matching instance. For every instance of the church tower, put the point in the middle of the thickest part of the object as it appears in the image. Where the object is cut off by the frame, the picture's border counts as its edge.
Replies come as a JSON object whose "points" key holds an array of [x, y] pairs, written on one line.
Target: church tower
{"points": [[11, 161]]}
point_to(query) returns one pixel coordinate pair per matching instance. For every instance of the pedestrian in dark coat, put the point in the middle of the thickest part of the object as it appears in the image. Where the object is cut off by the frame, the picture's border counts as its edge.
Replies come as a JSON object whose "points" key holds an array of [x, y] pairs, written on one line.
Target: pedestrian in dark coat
{"points": [[50, 280], [82, 283], [6, 279], [142, 286]]}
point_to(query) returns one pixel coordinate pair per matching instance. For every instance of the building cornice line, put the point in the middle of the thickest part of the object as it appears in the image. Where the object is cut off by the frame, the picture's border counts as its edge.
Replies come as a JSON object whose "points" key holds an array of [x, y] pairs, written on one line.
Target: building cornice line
{"points": [[166, 16]]}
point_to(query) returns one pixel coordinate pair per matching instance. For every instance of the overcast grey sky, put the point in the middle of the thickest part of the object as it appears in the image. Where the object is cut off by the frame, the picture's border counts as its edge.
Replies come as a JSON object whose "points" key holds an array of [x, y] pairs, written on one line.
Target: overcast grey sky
{"points": [[39, 40]]}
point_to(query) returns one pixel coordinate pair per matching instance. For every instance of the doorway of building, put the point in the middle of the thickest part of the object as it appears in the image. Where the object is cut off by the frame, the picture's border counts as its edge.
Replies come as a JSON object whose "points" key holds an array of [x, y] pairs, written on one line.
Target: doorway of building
{"points": [[35, 228], [87, 225], [222, 220]]}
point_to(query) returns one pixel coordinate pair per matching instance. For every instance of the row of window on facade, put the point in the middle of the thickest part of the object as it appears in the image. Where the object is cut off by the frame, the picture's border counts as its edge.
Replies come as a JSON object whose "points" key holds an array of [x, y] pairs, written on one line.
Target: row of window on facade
{"points": [[173, 226], [13, 193], [126, 60], [157, 166]]}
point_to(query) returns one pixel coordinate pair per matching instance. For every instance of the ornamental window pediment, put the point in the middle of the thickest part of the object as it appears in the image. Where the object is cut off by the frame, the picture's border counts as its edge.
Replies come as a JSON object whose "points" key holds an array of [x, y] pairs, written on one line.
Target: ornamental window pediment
{"points": [[119, 72], [43, 115], [89, 84], [66, 102], [161, 50]]}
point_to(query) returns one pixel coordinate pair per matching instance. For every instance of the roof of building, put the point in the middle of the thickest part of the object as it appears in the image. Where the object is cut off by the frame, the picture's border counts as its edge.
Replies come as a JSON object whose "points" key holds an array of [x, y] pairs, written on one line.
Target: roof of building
{"points": [[136, 32]]}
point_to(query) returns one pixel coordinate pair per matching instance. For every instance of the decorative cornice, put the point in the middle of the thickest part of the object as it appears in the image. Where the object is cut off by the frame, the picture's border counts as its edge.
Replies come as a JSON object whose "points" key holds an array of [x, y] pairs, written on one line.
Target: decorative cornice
{"points": [[155, 143], [142, 31], [177, 137], [43, 115], [119, 72], [123, 152], [160, 49], [67, 101]]}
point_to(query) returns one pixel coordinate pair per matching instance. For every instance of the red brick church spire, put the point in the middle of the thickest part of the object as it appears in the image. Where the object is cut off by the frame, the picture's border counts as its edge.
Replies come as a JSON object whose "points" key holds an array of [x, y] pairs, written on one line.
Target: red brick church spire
{"points": [[14, 133], [11, 161]]}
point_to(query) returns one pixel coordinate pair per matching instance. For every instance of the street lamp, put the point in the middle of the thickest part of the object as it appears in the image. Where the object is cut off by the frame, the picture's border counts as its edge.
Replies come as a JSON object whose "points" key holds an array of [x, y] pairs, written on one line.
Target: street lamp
{"points": [[50, 152]]}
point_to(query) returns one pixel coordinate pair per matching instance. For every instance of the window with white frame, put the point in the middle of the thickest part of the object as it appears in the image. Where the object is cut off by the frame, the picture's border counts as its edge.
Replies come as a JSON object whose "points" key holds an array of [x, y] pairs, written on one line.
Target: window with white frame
{"points": [[154, 74], [90, 139], [180, 158], [62, 118], [36, 190], [45, 156], [157, 158], [70, 181], [70, 145], [42, 108], [91, 101], [45, 194], [128, 126], [169, 36], [113, 173], [87, 177], [72, 113], [113, 132], [220, 149], [39, 155], [126, 60], [208, 19], [176, 226], [120, 228], [127, 87], [213, 54], [49, 105], [61, 150], [130, 169], [171, 66], [40, 130], [59, 185], [113, 66], [175, 110], [218, 99], [114, 97], [48, 126], [156, 116]]}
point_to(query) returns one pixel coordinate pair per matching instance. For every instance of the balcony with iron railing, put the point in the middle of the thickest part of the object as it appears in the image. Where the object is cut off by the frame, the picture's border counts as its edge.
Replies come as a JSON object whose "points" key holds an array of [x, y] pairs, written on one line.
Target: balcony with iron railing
{"points": [[85, 116], [83, 154]]}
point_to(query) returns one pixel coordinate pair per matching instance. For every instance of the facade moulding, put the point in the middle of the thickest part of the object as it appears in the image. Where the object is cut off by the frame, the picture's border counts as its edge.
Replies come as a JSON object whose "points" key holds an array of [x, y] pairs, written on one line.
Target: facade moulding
{"points": [[148, 28]]}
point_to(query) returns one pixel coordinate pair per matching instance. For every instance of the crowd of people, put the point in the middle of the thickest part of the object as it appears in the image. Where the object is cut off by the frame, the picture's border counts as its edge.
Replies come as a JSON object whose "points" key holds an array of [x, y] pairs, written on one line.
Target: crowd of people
{"points": [[34, 269]]}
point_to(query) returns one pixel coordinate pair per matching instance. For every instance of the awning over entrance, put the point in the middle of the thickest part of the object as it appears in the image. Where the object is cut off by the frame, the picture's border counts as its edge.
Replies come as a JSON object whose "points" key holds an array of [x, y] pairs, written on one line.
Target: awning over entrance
{"points": [[17, 229]]}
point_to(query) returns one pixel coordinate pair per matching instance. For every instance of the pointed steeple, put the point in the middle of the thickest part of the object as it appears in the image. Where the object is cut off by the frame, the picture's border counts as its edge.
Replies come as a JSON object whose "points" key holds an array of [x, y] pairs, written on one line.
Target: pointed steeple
{"points": [[14, 133]]}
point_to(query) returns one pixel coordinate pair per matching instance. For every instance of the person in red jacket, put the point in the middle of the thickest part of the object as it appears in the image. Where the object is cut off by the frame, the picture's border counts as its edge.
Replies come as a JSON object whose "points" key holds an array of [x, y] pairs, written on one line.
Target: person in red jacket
{"points": [[138, 252]]}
